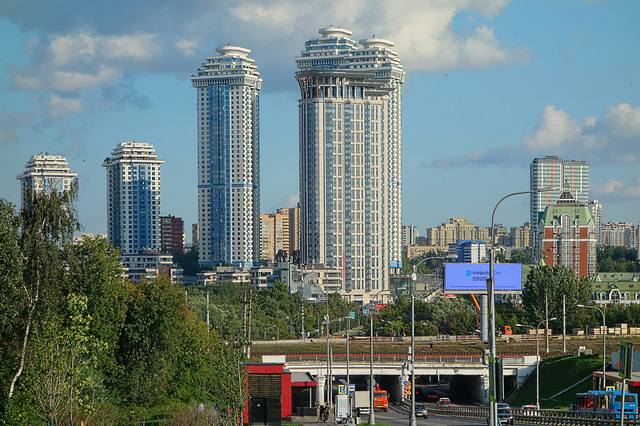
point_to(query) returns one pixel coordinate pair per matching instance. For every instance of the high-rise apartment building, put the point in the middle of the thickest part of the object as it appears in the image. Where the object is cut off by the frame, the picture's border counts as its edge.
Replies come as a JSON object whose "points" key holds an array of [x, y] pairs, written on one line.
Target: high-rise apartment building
{"points": [[409, 235], [560, 175], [228, 87], [619, 234], [567, 236], [596, 212], [171, 234], [350, 158], [520, 236], [471, 251], [195, 230], [133, 197], [278, 231], [45, 172]]}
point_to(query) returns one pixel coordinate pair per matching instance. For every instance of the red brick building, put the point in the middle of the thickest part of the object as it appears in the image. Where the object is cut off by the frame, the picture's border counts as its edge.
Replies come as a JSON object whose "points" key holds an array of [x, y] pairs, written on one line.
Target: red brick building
{"points": [[171, 234], [567, 236]]}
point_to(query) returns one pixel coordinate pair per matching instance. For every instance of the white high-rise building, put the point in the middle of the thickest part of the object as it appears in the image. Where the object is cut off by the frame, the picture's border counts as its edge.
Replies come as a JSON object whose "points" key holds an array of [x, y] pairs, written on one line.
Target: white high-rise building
{"points": [[561, 175], [133, 197], [350, 159], [596, 211], [228, 87], [409, 234], [46, 172]]}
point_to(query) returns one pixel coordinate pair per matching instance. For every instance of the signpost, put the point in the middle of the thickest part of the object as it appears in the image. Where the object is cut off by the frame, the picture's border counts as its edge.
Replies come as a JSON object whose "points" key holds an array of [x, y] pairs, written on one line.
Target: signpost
{"points": [[626, 368]]}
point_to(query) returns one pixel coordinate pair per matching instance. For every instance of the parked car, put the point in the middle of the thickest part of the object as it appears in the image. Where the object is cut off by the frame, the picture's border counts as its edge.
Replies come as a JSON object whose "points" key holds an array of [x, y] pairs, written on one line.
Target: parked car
{"points": [[421, 410], [444, 401], [504, 414], [432, 397]]}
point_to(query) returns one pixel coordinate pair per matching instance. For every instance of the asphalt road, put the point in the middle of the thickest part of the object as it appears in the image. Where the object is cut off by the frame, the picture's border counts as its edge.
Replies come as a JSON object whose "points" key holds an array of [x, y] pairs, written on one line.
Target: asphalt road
{"points": [[400, 416]]}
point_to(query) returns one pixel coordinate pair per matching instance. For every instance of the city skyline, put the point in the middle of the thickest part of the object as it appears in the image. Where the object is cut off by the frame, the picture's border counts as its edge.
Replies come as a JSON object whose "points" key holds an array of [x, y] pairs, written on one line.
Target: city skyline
{"points": [[567, 96]]}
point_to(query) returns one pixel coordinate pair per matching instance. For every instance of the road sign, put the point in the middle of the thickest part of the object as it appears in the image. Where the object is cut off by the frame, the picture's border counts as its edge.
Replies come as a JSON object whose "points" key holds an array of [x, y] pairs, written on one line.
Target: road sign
{"points": [[626, 360], [352, 389], [365, 311], [342, 390], [352, 315], [414, 277]]}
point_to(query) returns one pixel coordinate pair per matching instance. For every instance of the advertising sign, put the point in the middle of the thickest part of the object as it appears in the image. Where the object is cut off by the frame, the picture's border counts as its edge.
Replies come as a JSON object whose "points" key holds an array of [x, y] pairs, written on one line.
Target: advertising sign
{"points": [[472, 277]]}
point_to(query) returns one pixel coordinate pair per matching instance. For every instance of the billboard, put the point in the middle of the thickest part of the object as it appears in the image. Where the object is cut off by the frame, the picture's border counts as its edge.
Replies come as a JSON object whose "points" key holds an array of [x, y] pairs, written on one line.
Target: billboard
{"points": [[472, 277]]}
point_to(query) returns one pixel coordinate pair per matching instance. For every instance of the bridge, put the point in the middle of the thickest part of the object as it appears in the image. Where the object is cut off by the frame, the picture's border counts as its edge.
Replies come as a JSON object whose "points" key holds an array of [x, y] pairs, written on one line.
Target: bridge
{"points": [[468, 374]]}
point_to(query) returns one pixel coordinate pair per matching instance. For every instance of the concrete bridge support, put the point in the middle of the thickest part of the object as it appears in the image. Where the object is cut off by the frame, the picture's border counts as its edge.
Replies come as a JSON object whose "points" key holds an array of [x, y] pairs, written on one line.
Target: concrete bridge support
{"points": [[321, 392]]}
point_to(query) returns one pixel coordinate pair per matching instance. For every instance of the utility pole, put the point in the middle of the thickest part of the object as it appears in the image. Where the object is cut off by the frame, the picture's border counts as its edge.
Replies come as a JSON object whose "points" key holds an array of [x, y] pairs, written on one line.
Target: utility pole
{"points": [[249, 328], [372, 414], [244, 323], [302, 321], [546, 322], [208, 324], [564, 324], [347, 345]]}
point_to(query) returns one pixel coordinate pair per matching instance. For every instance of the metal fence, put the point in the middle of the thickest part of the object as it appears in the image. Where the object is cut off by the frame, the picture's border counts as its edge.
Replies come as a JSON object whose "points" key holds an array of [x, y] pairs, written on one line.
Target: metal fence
{"points": [[534, 417]]}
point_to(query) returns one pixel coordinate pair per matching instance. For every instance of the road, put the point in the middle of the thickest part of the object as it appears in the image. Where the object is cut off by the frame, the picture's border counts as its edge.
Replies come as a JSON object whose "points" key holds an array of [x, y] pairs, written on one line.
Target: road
{"points": [[400, 416]]}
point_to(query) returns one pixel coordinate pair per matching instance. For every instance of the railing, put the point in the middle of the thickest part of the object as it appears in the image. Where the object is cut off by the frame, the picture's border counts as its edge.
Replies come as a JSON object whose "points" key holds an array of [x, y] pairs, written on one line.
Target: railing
{"points": [[536, 417], [388, 358]]}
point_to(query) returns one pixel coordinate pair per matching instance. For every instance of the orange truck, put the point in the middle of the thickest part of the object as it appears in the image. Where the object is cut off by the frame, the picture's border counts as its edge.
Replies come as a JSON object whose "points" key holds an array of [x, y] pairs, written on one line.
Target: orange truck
{"points": [[380, 399], [506, 330]]}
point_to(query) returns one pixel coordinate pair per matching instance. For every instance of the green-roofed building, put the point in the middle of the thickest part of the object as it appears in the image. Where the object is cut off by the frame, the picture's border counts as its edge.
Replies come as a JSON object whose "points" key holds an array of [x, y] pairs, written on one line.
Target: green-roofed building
{"points": [[616, 287], [567, 236]]}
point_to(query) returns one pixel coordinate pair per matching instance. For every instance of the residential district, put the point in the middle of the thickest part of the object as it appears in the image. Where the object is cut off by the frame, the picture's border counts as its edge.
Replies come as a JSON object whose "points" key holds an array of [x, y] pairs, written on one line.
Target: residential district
{"points": [[345, 236]]}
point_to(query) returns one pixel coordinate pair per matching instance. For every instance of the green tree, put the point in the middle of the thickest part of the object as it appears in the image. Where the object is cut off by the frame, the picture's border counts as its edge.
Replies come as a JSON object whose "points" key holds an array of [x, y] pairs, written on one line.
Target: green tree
{"points": [[554, 283], [48, 220]]}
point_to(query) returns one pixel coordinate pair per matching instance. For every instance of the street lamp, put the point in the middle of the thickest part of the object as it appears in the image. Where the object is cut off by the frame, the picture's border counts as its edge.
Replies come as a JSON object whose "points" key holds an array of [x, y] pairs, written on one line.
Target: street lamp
{"points": [[604, 343], [493, 403], [414, 277], [537, 356], [372, 415]]}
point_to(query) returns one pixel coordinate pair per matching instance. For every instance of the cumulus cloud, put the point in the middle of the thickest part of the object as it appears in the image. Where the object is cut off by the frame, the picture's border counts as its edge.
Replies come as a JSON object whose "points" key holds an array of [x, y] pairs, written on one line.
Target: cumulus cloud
{"points": [[187, 46], [613, 138], [614, 189], [59, 106], [77, 80]]}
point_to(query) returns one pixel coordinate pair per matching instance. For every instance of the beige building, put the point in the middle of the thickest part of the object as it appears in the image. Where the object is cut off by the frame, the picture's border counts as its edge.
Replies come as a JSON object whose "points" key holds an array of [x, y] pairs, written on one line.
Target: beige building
{"points": [[520, 236], [419, 251], [456, 229], [279, 231]]}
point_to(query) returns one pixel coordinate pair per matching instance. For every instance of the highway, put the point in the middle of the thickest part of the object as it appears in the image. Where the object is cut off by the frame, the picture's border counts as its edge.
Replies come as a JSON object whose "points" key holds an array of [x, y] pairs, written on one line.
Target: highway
{"points": [[399, 416]]}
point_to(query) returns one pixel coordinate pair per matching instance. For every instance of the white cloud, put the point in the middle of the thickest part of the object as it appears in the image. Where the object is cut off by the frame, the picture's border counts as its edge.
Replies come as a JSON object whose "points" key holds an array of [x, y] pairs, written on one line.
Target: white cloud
{"points": [[59, 106], [187, 46], [613, 138], [27, 82], [85, 46], [614, 189], [554, 129], [67, 81]]}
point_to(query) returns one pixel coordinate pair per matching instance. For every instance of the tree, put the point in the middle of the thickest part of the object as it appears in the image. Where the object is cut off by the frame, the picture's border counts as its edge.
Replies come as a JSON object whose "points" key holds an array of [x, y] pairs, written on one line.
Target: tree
{"points": [[524, 256], [554, 283], [48, 220]]}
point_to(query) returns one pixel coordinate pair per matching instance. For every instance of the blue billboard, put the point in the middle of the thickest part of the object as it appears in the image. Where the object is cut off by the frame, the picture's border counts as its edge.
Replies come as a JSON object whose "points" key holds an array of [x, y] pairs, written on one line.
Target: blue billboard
{"points": [[472, 277]]}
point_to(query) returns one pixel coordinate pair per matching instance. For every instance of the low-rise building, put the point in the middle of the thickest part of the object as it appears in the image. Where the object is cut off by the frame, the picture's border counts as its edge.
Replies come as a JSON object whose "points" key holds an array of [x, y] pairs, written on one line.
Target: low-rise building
{"points": [[150, 265], [616, 287], [417, 251]]}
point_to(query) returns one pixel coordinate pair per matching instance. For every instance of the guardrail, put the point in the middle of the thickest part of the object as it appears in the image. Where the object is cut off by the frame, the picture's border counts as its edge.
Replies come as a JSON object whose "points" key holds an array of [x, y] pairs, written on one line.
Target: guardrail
{"points": [[447, 358], [535, 417]]}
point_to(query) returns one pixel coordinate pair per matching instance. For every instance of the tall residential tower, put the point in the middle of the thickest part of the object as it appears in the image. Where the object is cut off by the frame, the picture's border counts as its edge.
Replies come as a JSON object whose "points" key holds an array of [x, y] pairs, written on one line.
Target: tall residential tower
{"points": [[561, 175], [350, 111], [133, 197], [45, 172], [228, 158]]}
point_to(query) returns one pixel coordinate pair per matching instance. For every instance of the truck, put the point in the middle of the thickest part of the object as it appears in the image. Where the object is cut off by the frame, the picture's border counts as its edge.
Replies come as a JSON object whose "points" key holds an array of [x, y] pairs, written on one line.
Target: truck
{"points": [[361, 402]]}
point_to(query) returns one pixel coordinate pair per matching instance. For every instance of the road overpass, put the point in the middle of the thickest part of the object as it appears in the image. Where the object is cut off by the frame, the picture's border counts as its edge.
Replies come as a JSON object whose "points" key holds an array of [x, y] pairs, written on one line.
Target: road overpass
{"points": [[467, 373]]}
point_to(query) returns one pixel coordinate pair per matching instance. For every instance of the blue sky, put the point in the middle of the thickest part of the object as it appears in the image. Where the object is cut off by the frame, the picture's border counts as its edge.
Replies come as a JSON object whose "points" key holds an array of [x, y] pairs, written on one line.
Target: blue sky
{"points": [[490, 85]]}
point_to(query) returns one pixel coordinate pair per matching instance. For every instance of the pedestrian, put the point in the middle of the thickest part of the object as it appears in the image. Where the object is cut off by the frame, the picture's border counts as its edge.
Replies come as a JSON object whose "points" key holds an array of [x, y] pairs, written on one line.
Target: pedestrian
{"points": [[320, 413]]}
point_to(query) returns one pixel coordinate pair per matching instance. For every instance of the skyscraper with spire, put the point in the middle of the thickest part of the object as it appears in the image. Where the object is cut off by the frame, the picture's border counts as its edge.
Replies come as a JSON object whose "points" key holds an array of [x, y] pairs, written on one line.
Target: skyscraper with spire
{"points": [[350, 111], [228, 86]]}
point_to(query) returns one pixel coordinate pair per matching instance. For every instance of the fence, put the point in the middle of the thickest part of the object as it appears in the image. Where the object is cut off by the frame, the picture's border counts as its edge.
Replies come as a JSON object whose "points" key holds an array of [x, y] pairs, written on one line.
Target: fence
{"points": [[535, 417]]}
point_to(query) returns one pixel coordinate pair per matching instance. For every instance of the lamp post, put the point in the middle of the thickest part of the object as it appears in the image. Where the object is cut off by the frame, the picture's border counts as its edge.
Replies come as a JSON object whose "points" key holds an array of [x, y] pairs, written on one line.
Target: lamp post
{"points": [[372, 415], [493, 403], [537, 356], [414, 277], [604, 343]]}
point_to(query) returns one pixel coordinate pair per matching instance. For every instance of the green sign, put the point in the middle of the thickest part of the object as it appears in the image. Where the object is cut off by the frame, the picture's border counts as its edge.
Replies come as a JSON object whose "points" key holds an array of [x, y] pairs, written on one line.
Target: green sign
{"points": [[352, 315], [626, 360]]}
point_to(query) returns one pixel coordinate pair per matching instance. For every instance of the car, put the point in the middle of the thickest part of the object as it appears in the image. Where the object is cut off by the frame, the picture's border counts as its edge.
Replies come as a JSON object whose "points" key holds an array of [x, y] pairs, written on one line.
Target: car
{"points": [[432, 397], [421, 410], [444, 401], [504, 414]]}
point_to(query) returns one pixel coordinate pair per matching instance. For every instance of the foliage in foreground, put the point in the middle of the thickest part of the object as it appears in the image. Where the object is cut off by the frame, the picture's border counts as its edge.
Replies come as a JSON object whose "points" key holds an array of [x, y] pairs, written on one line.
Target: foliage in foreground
{"points": [[78, 343]]}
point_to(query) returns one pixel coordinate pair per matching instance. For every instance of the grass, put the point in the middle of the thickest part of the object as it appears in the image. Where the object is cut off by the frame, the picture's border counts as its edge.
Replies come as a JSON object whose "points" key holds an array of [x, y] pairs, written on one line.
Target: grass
{"points": [[555, 375]]}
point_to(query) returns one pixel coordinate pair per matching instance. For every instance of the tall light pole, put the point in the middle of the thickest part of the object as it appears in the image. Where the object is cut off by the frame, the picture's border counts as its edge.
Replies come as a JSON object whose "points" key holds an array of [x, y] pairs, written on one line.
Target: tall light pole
{"points": [[414, 277], [493, 402], [537, 356], [604, 343], [372, 415]]}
